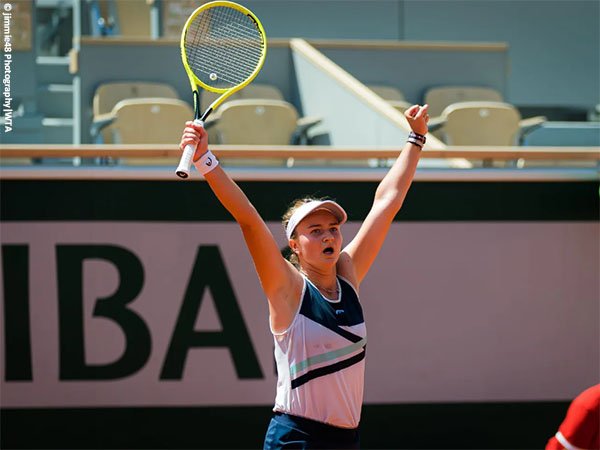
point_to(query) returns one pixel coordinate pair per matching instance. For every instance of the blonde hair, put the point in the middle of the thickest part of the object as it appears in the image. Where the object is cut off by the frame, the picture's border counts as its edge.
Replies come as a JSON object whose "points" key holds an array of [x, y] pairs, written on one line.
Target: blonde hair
{"points": [[288, 253]]}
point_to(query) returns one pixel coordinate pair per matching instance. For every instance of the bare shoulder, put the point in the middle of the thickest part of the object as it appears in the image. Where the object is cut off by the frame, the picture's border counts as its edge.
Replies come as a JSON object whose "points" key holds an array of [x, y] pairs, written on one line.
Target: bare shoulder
{"points": [[290, 288], [345, 269]]}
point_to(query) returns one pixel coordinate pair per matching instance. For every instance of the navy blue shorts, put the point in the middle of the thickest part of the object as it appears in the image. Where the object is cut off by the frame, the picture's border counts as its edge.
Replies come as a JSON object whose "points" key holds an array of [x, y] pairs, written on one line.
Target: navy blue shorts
{"points": [[286, 432]]}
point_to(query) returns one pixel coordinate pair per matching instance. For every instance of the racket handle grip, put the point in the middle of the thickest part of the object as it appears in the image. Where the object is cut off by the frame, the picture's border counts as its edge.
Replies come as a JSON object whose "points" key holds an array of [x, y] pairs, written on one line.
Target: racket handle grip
{"points": [[185, 163]]}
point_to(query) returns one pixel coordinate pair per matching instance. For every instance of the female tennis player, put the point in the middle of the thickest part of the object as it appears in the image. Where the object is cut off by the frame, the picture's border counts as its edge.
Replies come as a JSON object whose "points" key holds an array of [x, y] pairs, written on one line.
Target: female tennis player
{"points": [[315, 315]]}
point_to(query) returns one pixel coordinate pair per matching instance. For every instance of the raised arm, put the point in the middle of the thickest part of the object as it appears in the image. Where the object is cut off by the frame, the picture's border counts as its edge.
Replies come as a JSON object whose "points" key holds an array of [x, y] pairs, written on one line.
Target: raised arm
{"points": [[360, 253], [279, 279]]}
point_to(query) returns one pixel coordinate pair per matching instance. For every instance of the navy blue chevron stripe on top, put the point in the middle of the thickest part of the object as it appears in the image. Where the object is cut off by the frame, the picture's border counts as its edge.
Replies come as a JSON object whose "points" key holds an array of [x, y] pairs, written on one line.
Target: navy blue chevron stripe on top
{"points": [[331, 315]]}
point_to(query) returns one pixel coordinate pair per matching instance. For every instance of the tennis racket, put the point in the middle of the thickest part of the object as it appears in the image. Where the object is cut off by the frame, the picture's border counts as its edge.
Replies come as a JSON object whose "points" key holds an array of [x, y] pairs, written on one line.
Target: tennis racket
{"points": [[223, 47]]}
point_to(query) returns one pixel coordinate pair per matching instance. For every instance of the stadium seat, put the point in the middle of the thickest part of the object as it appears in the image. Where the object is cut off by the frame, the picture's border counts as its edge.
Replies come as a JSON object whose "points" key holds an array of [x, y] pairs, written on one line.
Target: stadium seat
{"points": [[108, 94], [485, 123], [252, 91], [439, 98], [256, 122], [149, 121], [256, 92], [391, 95]]}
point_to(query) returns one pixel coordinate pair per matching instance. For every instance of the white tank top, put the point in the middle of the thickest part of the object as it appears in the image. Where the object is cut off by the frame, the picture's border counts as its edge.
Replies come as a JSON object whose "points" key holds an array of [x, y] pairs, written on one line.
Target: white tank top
{"points": [[321, 358]]}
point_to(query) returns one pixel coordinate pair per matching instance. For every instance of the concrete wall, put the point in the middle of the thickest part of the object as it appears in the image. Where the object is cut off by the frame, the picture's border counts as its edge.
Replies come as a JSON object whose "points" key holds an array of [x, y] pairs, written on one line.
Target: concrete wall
{"points": [[554, 46]]}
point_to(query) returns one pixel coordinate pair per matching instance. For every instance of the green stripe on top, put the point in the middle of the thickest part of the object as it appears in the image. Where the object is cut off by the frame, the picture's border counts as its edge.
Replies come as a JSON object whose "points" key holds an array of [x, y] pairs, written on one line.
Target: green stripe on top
{"points": [[324, 357]]}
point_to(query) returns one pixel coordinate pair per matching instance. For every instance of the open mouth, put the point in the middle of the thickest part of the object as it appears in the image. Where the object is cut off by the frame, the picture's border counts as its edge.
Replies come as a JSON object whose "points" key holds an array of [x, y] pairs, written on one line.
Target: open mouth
{"points": [[328, 251]]}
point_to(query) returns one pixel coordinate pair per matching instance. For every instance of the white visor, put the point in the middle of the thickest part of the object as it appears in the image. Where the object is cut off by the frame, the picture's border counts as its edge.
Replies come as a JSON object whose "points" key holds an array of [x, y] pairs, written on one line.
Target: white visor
{"points": [[307, 208]]}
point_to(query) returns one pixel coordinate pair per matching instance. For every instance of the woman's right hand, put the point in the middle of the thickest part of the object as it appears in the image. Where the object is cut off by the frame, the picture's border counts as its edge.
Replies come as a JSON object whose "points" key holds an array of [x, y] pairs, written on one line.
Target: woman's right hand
{"points": [[196, 136]]}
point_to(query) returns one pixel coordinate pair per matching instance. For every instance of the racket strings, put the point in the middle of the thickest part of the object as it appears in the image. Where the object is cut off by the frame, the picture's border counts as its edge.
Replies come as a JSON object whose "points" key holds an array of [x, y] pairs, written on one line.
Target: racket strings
{"points": [[223, 47], [228, 63]]}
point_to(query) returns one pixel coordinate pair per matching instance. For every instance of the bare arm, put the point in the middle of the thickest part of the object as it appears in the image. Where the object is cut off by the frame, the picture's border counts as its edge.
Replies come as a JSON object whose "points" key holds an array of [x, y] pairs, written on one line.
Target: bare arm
{"points": [[275, 273], [389, 197]]}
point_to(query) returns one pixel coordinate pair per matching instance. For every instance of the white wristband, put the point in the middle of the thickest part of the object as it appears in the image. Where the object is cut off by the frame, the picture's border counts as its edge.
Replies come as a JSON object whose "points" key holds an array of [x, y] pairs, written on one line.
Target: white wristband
{"points": [[206, 163]]}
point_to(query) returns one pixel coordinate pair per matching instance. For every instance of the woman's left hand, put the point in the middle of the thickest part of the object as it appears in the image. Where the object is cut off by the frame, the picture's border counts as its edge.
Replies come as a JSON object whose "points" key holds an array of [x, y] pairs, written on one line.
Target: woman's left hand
{"points": [[417, 118]]}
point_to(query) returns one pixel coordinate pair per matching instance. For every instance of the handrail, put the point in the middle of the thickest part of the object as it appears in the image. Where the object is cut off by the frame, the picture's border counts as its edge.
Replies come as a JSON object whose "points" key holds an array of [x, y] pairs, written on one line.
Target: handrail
{"points": [[407, 45], [144, 40], [373, 44], [298, 152]]}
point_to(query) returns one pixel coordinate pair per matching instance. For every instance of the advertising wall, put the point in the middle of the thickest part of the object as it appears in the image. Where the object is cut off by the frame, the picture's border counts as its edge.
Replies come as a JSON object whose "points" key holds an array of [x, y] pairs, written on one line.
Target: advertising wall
{"points": [[140, 298]]}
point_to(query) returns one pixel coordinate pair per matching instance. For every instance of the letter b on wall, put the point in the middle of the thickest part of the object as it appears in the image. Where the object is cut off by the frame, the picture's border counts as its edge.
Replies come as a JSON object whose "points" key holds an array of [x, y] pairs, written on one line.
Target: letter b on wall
{"points": [[70, 259]]}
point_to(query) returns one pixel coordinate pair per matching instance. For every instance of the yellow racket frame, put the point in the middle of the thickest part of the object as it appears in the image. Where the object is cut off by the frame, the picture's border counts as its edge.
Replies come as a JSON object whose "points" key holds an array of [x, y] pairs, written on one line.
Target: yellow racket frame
{"points": [[194, 81]]}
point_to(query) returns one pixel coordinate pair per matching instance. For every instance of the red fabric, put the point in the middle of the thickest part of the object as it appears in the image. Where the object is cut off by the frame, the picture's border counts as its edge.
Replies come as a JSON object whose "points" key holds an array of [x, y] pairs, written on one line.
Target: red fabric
{"points": [[581, 426], [553, 444]]}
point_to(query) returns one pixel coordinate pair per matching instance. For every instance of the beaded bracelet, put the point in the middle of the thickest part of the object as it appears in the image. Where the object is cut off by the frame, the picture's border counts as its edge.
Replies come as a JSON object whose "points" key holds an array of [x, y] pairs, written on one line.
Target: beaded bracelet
{"points": [[414, 142], [417, 136]]}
